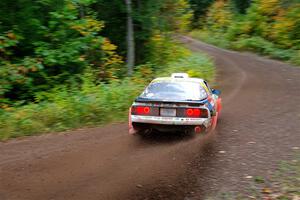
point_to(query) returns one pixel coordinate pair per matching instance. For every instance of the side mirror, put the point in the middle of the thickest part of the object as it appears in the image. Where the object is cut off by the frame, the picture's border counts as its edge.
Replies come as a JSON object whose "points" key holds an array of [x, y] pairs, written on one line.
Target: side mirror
{"points": [[216, 92]]}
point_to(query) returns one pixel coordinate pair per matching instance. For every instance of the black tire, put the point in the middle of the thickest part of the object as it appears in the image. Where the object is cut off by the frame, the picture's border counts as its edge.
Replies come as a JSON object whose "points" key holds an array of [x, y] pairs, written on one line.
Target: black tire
{"points": [[145, 132]]}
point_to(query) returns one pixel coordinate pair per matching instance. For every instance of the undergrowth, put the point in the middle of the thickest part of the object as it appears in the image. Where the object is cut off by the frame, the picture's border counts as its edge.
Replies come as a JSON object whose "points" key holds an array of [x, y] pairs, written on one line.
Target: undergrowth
{"points": [[92, 104], [254, 44]]}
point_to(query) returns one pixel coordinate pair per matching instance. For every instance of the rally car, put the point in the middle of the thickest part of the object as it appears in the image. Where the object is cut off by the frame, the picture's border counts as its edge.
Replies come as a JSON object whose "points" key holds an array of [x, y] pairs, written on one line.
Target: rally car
{"points": [[176, 103]]}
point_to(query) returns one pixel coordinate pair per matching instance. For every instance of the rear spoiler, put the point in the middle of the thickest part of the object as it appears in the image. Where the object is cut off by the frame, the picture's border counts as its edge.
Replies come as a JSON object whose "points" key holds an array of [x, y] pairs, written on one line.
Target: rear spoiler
{"points": [[145, 100]]}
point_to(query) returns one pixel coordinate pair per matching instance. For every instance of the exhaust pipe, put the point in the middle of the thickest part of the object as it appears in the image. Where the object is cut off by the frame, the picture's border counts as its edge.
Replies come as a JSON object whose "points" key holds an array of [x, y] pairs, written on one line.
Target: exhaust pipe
{"points": [[198, 129]]}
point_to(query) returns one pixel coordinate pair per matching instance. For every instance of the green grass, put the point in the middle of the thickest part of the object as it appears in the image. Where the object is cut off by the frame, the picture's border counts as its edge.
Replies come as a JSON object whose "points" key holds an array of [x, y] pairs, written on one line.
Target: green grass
{"points": [[215, 39], [253, 44], [92, 105]]}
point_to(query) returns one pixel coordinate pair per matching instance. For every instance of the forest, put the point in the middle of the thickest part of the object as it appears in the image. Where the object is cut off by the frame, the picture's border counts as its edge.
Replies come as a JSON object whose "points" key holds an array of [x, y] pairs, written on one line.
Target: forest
{"points": [[269, 27], [71, 63]]}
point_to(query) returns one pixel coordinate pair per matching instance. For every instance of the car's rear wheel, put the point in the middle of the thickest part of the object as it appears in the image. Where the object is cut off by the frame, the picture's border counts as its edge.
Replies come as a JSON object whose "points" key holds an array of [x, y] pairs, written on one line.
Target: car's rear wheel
{"points": [[214, 121]]}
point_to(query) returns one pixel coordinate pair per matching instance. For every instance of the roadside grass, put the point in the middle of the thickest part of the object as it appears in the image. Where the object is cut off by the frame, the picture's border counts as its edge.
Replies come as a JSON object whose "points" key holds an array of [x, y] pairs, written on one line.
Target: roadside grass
{"points": [[283, 184], [211, 38], [93, 104], [246, 43]]}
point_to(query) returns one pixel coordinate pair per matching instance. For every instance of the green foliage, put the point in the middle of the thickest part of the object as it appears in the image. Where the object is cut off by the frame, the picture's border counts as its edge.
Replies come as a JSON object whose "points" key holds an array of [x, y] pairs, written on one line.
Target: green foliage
{"points": [[14, 74], [47, 43], [60, 70], [199, 9], [26, 18], [286, 28], [263, 47], [92, 104], [67, 109], [177, 15], [196, 65], [254, 44], [149, 17], [67, 44], [269, 27], [241, 5], [207, 36], [163, 49], [259, 179], [219, 17]]}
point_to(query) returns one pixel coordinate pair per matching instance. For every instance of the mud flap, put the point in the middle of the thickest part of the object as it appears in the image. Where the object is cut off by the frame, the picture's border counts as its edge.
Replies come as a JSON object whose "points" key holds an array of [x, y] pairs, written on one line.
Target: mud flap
{"points": [[214, 121], [131, 129], [219, 105]]}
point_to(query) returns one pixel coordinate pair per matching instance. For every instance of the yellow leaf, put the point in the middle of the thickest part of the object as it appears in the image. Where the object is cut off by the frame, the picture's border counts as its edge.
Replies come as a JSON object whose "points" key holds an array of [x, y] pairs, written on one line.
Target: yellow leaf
{"points": [[266, 190]]}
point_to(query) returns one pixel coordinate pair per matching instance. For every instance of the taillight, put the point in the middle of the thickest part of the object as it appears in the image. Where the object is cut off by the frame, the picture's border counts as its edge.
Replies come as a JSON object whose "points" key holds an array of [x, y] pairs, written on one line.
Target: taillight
{"points": [[196, 112], [141, 110]]}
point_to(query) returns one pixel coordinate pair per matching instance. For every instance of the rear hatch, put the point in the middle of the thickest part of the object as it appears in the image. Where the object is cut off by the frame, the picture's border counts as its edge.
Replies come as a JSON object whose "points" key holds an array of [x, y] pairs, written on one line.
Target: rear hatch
{"points": [[182, 109]]}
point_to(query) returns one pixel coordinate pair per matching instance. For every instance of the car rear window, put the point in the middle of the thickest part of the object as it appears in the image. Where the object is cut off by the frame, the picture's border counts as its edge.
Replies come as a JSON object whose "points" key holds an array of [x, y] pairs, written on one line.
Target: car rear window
{"points": [[180, 91]]}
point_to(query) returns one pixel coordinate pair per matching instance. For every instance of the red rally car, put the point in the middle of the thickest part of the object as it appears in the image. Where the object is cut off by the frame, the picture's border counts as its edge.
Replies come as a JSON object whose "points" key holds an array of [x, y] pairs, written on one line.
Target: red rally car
{"points": [[176, 103]]}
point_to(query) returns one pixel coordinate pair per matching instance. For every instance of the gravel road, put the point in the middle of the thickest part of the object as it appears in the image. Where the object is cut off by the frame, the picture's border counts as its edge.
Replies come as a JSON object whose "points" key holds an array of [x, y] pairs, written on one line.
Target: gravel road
{"points": [[259, 126]]}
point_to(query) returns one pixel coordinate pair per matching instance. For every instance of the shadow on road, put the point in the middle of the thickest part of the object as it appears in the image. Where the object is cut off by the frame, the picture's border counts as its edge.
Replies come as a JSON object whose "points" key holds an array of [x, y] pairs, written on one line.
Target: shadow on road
{"points": [[165, 137]]}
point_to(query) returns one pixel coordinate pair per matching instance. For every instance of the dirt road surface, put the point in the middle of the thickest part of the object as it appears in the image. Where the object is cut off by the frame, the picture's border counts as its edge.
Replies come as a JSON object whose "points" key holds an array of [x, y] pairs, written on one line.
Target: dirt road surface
{"points": [[259, 126]]}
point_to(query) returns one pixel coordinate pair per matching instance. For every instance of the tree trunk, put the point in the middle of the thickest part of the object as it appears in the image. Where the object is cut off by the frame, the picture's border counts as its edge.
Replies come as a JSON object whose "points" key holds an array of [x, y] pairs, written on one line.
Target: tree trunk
{"points": [[81, 9], [130, 39]]}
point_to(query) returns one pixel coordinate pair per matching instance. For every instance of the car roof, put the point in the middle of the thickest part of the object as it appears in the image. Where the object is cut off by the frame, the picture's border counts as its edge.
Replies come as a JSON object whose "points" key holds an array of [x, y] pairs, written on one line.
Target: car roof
{"points": [[171, 79]]}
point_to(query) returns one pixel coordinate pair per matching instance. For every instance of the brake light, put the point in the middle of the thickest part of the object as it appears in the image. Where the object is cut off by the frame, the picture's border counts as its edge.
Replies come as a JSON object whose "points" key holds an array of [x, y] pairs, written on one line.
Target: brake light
{"points": [[141, 110], [192, 112], [196, 112]]}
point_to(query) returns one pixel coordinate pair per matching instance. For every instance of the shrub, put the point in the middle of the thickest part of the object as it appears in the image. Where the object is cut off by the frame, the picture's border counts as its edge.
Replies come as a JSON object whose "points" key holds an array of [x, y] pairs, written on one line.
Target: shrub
{"points": [[269, 27], [217, 39], [296, 58], [253, 44], [264, 47], [195, 65], [92, 104]]}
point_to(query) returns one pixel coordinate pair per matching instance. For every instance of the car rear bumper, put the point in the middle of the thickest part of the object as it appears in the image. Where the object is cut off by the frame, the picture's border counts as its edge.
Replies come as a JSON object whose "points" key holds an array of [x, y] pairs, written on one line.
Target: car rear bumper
{"points": [[170, 120]]}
